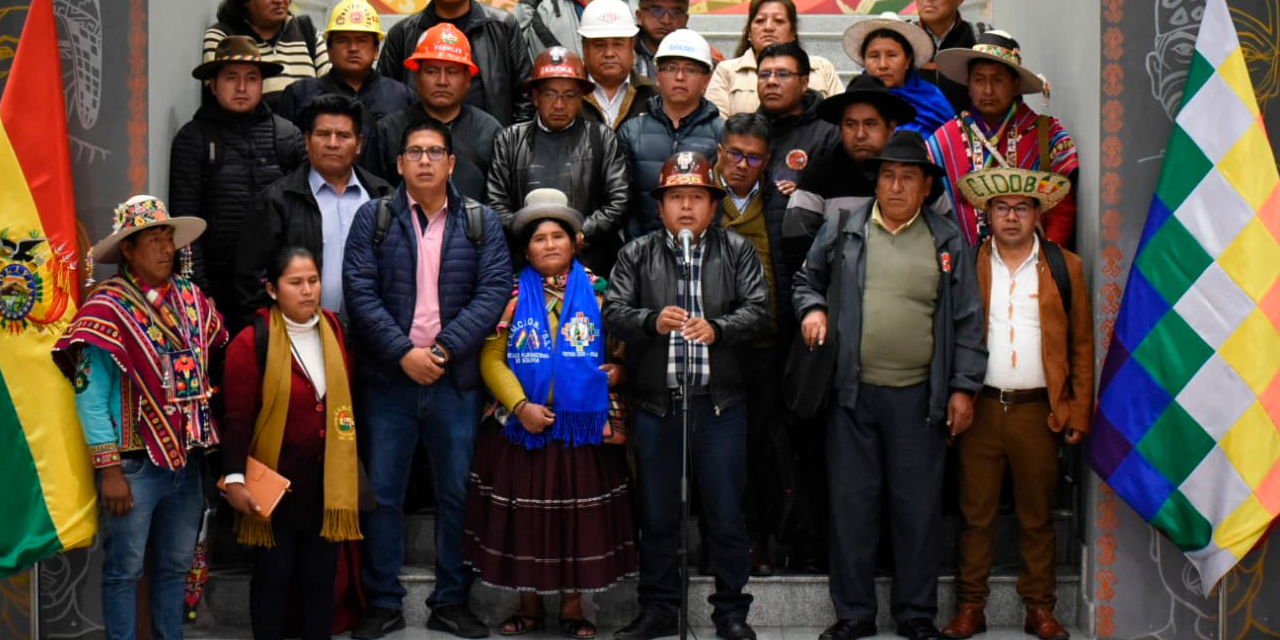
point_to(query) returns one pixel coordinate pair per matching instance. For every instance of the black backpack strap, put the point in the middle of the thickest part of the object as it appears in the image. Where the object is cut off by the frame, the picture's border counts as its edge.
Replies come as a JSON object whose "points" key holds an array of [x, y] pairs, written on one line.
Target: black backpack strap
{"points": [[308, 33], [1058, 269], [540, 28], [381, 221], [475, 221], [282, 140]]}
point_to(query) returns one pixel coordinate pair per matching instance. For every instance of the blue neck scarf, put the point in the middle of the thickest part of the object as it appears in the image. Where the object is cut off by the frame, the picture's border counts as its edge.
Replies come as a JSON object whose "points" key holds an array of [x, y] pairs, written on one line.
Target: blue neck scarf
{"points": [[570, 364], [932, 108]]}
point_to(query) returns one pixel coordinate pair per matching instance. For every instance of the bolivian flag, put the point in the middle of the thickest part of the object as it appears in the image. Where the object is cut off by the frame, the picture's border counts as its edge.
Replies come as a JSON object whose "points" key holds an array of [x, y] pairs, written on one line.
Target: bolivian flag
{"points": [[48, 500]]}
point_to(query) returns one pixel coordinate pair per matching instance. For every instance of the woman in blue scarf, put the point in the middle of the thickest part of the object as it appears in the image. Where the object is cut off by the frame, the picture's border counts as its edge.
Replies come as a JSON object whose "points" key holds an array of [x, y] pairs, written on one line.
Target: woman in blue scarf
{"points": [[548, 504], [893, 50]]}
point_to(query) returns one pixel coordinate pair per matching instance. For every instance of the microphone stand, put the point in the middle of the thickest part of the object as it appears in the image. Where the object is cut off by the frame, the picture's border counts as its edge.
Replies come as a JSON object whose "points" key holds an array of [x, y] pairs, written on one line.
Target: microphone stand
{"points": [[685, 429]]}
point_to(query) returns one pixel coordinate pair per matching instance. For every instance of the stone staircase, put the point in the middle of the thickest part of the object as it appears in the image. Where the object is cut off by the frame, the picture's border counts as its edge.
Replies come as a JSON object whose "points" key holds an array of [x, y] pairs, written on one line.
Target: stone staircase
{"points": [[821, 35], [785, 606]]}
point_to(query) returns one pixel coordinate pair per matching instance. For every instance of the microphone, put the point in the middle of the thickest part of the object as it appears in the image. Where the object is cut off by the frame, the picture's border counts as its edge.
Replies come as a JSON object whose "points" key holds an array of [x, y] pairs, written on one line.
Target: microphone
{"points": [[686, 238]]}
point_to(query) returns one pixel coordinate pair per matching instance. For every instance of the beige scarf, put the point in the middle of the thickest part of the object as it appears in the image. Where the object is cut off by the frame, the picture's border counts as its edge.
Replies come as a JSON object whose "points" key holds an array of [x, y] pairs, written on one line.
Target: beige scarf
{"points": [[341, 487]]}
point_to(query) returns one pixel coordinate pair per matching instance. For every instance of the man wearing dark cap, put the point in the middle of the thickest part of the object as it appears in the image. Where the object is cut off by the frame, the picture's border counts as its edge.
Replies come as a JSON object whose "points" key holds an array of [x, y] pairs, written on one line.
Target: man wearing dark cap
{"points": [[717, 311], [866, 114], [904, 383]]}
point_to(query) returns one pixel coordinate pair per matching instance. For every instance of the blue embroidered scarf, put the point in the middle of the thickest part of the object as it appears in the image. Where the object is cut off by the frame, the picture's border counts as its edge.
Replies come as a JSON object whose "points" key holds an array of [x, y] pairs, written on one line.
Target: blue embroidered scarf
{"points": [[569, 365], [932, 108]]}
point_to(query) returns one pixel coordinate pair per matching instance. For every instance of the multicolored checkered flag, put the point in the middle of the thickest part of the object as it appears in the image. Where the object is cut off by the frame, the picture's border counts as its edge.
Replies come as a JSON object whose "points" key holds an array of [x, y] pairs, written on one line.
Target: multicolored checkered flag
{"points": [[1189, 406]]}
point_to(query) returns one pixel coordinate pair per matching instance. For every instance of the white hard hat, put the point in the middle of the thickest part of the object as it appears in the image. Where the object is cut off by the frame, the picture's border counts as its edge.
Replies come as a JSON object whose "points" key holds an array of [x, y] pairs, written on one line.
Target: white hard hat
{"points": [[607, 19], [684, 43]]}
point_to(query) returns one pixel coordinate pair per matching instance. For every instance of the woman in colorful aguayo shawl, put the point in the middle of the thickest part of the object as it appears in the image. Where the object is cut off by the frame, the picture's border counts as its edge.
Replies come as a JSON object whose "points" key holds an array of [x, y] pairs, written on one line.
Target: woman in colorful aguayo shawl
{"points": [[288, 405], [1000, 130], [548, 508], [137, 353], [893, 50]]}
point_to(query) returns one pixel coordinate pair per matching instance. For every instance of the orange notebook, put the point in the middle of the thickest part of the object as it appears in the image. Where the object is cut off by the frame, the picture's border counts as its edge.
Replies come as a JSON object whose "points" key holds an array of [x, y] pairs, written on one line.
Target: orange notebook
{"points": [[265, 485]]}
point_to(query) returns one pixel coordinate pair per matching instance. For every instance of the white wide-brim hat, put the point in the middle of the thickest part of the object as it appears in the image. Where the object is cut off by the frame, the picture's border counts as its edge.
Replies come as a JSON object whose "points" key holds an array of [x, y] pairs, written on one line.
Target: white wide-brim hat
{"points": [[921, 42]]}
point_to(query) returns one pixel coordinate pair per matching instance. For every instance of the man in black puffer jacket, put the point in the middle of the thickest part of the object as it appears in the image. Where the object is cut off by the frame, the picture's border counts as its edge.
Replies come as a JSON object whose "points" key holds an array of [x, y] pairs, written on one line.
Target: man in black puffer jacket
{"points": [[564, 151], [792, 110], [497, 47], [679, 119], [221, 160]]}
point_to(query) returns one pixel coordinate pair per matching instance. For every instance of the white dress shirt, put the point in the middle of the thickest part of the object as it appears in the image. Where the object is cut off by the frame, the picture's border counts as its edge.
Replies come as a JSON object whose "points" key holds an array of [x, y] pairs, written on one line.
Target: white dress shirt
{"points": [[1013, 328]]}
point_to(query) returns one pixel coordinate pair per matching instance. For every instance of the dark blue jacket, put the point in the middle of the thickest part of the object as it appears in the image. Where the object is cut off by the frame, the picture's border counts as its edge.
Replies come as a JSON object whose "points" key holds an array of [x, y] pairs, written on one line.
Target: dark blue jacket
{"points": [[649, 139], [380, 286], [379, 95]]}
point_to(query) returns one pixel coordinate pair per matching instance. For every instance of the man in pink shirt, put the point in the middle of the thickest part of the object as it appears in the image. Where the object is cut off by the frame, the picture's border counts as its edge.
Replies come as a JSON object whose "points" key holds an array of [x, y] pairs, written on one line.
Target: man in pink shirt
{"points": [[425, 280]]}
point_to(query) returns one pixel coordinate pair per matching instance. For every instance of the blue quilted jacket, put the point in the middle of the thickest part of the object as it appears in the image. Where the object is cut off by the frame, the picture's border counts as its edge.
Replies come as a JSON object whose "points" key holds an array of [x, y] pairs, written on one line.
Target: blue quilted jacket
{"points": [[380, 286]]}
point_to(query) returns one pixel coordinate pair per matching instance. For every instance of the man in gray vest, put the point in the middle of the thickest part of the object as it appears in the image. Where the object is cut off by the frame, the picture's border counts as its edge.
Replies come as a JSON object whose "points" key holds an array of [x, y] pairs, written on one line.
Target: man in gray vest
{"points": [[906, 373]]}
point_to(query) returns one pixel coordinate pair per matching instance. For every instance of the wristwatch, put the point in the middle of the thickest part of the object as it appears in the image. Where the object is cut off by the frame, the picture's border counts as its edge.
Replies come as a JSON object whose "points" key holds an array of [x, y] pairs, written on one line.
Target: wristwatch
{"points": [[439, 353]]}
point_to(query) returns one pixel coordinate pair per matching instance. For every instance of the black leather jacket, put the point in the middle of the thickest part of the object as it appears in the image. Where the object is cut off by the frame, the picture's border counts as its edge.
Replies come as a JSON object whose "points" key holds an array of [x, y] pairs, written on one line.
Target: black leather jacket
{"points": [[497, 47], [735, 299], [599, 184]]}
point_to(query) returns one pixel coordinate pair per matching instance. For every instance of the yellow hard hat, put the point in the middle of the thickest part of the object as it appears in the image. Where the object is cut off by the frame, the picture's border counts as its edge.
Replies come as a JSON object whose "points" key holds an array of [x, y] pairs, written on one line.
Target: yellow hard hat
{"points": [[354, 15]]}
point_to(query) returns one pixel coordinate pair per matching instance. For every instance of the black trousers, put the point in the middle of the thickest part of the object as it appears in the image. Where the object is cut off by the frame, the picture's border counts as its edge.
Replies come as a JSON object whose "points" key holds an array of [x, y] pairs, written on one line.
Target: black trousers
{"points": [[718, 449], [886, 444], [299, 553], [769, 454]]}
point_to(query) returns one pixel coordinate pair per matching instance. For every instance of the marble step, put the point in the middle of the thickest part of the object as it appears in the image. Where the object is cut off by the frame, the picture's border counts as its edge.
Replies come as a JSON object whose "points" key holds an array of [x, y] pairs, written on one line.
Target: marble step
{"points": [[420, 632], [780, 602]]}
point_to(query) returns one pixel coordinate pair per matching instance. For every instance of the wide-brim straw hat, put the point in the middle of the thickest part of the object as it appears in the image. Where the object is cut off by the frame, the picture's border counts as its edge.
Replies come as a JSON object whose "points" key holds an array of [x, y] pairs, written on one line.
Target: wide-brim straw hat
{"points": [[543, 204], [236, 50], [140, 213], [995, 46], [980, 187], [921, 42], [869, 89]]}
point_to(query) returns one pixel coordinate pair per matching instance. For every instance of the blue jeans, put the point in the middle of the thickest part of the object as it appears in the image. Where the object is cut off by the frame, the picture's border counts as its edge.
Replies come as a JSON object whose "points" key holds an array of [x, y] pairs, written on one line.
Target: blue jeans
{"points": [[718, 449], [167, 506], [446, 419]]}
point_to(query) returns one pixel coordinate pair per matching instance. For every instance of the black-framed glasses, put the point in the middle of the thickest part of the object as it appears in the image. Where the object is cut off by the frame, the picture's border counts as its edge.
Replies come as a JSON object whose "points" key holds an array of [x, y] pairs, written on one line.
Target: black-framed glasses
{"points": [[675, 68], [671, 12], [434, 153], [1003, 210], [752, 159], [781, 74]]}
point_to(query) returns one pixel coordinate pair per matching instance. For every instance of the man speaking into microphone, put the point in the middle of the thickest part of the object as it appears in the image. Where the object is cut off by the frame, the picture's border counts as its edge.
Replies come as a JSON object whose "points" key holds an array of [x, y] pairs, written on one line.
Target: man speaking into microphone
{"points": [[689, 281]]}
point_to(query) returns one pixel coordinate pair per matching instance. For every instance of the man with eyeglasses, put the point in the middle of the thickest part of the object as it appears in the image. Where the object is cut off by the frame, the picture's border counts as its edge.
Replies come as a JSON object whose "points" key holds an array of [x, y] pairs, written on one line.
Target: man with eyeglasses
{"points": [[678, 119], [782, 80], [563, 151], [909, 358], [422, 295], [745, 210], [1036, 395], [443, 69]]}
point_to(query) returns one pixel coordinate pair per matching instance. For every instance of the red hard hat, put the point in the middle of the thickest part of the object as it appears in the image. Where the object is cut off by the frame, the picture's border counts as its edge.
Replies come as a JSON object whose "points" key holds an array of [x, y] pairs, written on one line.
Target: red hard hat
{"points": [[559, 62], [687, 169], [445, 43]]}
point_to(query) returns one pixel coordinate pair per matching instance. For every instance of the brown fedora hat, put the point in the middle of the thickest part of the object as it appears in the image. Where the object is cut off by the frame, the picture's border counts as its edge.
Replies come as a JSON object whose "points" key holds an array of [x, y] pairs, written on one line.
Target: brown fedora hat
{"points": [[236, 50]]}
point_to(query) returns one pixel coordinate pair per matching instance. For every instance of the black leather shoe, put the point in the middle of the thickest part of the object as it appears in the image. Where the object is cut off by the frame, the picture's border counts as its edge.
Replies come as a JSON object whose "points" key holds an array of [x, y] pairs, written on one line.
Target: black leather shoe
{"points": [[736, 630], [647, 626], [458, 620], [849, 630], [377, 623], [919, 629]]}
